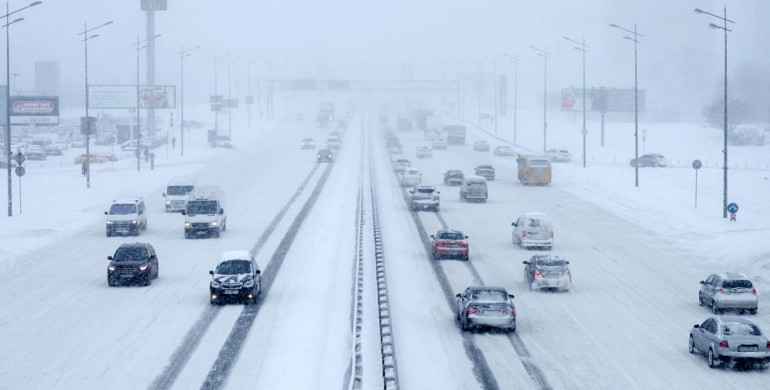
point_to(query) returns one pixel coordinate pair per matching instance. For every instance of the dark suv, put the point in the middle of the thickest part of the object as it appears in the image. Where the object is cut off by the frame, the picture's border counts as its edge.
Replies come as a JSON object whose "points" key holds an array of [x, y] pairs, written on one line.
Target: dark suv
{"points": [[132, 263], [236, 278]]}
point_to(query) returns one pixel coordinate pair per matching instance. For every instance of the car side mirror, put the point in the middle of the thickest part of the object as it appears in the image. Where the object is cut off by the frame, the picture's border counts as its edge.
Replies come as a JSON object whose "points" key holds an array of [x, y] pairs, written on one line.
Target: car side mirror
{"points": [[411, 191], [164, 194], [458, 295], [431, 236], [510, 296], [211, 273], [513, 223], [221, 211], [105, 213], [525, 262], [566, 262], [702, 282], [258, 272], [140, 212], [466, 236], [109, 258], [696, 326], [438, 192], [183, 212]]}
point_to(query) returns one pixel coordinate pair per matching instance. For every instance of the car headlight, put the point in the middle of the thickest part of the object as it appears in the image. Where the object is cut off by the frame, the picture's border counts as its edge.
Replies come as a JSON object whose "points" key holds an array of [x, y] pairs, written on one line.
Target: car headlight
{"points": [[134, 222], [168, 203], [214, 223], [214, 284], [143, 268], [111, 268], [187, 224], [109, 222], [248, 283]]}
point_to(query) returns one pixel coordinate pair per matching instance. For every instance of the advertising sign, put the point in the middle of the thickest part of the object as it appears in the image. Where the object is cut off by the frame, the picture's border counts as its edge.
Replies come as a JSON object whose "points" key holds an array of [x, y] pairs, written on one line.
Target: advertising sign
{"points": [[601, 99], [124, 96], [154, 5], [35, 110]]}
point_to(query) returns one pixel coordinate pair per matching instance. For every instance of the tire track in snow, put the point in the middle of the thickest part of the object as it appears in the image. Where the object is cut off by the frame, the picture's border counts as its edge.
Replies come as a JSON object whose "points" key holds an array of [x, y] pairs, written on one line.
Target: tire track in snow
{"points": [[184, 351]]}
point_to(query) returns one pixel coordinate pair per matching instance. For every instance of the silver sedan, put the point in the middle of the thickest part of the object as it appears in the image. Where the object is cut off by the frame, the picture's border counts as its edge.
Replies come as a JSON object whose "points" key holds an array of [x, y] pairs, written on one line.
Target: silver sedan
{"points": [[728, 291], [486, 306], [725, 339]]}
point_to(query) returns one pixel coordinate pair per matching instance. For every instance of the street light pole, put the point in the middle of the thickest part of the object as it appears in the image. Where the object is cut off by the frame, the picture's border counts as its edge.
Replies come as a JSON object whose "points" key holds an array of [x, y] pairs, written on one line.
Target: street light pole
{"points": [[635, 39], [583, 48], [8, 97], [496, 92], [86, 38], [724, 151], [544, 53], [479, 85], [515, 61], [230, 99], [182, 54], [138, 105]]}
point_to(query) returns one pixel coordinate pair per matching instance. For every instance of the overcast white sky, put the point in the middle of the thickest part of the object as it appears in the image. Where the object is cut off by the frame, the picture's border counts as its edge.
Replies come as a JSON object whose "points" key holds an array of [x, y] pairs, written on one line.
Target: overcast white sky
{"points": [[680, 58]]}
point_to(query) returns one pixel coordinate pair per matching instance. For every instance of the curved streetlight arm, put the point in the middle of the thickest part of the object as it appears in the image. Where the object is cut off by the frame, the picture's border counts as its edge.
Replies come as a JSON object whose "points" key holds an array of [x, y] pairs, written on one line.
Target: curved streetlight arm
{"points": [[85, 32], [14, 21], [21, 9]]}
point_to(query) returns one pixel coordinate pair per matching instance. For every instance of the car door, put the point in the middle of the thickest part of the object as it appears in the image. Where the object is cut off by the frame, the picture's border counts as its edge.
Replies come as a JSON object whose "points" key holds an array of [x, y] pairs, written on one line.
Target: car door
{"points": [[713, 286], [706, 289]]}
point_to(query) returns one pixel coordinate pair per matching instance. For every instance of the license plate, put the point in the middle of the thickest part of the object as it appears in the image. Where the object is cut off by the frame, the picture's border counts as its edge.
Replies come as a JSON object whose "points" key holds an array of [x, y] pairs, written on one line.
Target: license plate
{"points": [[547, 282], [231, 291], [747, 349], [127, 275], [121, 230], [492, 312], [201, 232]]}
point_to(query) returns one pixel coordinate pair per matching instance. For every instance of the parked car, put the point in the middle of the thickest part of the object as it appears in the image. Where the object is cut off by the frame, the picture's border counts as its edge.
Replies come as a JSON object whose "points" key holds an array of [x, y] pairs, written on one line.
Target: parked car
{"points": [[558, 155], [486, 306], [424, 198], [307, 143], [424, 152], [726, 339], [453, 177], [410, 177], [449, 243], [485, 171], [728, 291], [35, 152], [547, 271], [533, 230], [236, 278], [132, 263], [653, 160], [439, 144], [401, 164], [54, 150], [126, 216], [474, 189], [481, 146], [324, 155], [504, 150], [94, 158]]}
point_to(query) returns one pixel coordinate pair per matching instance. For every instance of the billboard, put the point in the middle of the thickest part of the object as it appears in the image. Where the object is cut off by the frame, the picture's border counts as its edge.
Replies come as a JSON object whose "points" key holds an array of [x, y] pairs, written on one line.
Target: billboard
{"points": [[154, 5], [35, 110], [125, 96], [601, 99]]}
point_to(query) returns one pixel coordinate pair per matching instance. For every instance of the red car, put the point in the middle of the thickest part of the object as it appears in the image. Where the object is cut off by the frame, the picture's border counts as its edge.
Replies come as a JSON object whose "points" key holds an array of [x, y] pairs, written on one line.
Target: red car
{"points": [[449, 243]]}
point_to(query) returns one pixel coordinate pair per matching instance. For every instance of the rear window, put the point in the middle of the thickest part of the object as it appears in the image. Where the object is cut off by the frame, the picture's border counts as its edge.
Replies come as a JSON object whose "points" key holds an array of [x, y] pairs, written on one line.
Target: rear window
{"points": [[452, 236], [425, 190], [489, 296], [739, 283], [538, 163], [551, 263], [738, 329]]}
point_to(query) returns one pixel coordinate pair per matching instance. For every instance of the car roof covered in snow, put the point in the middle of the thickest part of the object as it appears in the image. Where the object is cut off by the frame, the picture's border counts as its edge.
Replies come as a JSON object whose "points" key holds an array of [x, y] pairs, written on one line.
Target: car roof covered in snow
{"points": [[236, 255]]}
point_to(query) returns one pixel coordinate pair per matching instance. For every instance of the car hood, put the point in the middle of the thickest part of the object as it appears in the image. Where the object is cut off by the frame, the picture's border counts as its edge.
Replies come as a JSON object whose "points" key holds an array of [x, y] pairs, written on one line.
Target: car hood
{"points": [[200, 218], [132, 263], [239, 278], [122, 217]]}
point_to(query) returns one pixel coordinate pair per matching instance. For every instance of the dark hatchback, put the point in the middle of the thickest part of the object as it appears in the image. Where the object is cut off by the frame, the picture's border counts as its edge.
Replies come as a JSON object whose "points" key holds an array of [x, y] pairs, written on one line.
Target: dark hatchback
{"points": [[324, 155], [236, 278], [132, 263]]}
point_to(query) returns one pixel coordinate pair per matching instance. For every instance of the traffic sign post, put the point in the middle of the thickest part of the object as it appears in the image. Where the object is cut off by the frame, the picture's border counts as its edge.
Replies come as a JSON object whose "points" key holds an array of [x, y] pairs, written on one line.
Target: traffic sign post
{"points": [[732, 208], [696, 164], [20, 158]]}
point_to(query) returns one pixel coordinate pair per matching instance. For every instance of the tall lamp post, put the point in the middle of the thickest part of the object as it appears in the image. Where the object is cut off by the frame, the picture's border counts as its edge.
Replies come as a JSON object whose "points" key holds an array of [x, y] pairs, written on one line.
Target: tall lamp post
{"points": [[182, 54], [8, 95], [479, 87], [724, 151], [138, 103], [543, 53], [249, 98], [635, 39], [229, 98], [583, 48], [88, 122], [515, 61]]}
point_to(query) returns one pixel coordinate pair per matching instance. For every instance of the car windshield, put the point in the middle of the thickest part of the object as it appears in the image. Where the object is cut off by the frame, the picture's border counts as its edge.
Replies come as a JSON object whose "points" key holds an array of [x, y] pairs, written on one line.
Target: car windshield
{"points": [[489, 296], [131, 253], [324, 151], [737, 283], [538, 163], [454, 173], [201, 207], [451, 236], [740, 329], [234, 267], [179, 190], [122, 209]]}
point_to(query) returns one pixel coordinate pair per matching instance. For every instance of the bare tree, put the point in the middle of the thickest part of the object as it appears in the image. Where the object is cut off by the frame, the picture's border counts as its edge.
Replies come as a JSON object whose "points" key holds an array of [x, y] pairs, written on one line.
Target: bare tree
{"points": [[738, 111]]}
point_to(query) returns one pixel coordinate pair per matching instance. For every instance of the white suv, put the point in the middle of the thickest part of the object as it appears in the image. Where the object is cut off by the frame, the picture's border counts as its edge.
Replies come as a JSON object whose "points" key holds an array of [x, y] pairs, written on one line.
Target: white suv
{"points": [[126, 216]]}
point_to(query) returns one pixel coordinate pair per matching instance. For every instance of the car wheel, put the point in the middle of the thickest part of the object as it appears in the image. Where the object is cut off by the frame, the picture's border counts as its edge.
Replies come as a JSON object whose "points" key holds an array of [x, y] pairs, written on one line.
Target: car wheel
{"points": [[224, 226], [712, 360], [691, 346], [109, 234], [465, 324], [752, 311], [701, 302], [216, 233], [714, 308], [144, 226], [466, 258], [147, 280], [111, 282]]}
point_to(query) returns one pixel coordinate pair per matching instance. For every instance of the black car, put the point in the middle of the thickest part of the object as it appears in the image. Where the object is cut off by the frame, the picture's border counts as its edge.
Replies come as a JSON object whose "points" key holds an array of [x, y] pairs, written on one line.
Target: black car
{"points": [[324, 155], [132, 263], [454, 177], [236, 278]]}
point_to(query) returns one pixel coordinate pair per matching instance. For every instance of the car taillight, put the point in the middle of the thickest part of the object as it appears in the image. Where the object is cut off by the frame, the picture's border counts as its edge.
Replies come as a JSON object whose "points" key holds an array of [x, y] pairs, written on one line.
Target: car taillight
{"points": [[538, 275], [463, 244], [720, 291], [512, 311], [754, 291], [523, 234], [551, 233], [471, 310], [440, 243], [435, 197], [768, 345], [723, 344]]}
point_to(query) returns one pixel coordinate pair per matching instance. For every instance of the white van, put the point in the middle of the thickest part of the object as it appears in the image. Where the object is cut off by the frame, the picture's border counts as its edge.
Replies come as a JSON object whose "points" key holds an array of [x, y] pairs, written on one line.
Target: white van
{"points": [[474, 189], [177, 193], [533, 230], [205, 212], [126, 216]]}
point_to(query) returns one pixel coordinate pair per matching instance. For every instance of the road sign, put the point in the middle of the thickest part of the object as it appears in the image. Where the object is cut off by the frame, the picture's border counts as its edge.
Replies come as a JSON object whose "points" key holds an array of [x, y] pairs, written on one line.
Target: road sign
{"points": [[113, 140], [20, 171], [696, 164], [585, 131], [732, 208], [19, 158]]}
